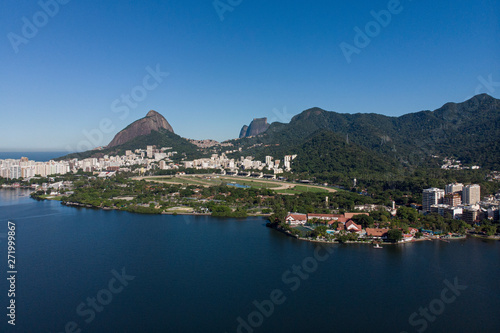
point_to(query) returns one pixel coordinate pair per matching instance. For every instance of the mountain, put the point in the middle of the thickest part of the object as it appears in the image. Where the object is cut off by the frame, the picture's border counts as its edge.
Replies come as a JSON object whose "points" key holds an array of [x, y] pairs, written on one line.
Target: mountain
{"points": [[257, 126], [469, 131], [152, 122], [243, 132], [328, 152], [152, 130]]}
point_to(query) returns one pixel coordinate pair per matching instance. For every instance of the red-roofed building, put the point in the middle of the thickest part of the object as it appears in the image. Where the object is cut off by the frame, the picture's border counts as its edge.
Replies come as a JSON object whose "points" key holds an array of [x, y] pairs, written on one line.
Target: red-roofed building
{"points": [[296, 219], [407, 237], [377, 233], [353, 227], [323, 216], [343, 220], [351, 215]]}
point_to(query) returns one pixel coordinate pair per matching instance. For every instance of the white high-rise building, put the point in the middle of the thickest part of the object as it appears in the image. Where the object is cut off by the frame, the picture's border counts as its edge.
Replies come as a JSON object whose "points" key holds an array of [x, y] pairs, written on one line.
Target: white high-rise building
{"points": [[453, 188], [15, 172], [431, 196], [149, 150], [471, 194]]}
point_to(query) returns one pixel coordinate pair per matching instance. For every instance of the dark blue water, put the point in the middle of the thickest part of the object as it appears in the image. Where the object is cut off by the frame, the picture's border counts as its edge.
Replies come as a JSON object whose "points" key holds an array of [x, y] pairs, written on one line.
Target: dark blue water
{"points": [[200, 274], [33, 156]]}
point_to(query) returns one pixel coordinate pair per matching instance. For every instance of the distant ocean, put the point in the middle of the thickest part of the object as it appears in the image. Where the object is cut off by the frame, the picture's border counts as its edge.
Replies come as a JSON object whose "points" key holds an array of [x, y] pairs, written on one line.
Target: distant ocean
{"points": [[33, 156]]}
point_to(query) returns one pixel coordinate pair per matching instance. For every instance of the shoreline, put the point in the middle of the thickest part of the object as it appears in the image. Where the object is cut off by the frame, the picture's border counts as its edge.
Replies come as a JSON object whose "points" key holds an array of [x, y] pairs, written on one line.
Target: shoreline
{"points": [[370, 242], [447, 240], [79, 205], [492, 238]]}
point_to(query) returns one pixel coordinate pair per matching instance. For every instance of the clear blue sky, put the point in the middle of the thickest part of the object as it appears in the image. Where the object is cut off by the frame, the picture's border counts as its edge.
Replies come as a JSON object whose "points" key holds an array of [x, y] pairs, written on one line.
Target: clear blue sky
{"points": [[265, 55]]}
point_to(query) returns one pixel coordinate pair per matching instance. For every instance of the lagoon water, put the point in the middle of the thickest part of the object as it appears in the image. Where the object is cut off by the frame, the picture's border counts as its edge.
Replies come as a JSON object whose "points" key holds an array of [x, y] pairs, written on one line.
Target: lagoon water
{"points": [[200, 274]]}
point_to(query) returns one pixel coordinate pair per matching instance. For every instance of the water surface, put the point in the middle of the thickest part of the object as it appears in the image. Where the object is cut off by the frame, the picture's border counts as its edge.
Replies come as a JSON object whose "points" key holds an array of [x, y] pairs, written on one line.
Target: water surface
{"points": [[200, 274]]}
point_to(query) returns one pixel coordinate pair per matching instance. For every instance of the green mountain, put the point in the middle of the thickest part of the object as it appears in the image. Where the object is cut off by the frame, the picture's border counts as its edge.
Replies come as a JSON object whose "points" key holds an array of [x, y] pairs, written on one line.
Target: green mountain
{"points": [[469, 131], [327, 152]]}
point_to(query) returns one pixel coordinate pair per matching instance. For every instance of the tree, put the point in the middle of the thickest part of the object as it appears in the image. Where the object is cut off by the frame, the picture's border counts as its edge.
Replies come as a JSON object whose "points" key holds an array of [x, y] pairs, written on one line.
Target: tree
{"points": [[321, 230], [364, 220], [407, 213], [490, 230], [394, 235]]}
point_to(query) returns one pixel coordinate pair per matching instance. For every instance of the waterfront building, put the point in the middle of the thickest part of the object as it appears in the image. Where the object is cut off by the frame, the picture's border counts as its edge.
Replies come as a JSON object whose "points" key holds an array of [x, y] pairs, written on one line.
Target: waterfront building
{"points": [[470, 215], [296, 219]]}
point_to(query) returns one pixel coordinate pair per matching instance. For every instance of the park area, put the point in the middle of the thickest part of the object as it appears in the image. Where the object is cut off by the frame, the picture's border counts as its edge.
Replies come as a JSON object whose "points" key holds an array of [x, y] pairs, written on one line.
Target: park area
{"points": [[280, 187]]}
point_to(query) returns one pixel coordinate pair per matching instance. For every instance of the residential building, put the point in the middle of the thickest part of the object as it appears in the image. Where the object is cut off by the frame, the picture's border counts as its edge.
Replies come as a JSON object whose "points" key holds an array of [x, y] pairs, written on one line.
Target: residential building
{"points": [[453, 188], [447, 210], [149, 151], [471, 194], [470, 214], [493, 213], [452, 199], [431, 196]]}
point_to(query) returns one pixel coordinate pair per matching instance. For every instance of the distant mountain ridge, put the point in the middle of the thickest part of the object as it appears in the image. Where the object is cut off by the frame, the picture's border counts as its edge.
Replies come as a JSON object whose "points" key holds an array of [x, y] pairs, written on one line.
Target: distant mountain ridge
{"points": [[152, 122]]}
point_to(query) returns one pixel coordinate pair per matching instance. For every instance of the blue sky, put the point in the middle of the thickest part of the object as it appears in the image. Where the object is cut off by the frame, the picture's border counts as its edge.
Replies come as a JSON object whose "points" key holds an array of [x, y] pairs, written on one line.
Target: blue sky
{"points": [[264, 59]]}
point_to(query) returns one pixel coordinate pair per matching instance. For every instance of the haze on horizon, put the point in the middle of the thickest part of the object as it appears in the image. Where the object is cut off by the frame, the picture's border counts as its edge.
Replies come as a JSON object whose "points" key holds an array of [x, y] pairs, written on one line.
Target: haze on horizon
{"points": [[75, 67]]}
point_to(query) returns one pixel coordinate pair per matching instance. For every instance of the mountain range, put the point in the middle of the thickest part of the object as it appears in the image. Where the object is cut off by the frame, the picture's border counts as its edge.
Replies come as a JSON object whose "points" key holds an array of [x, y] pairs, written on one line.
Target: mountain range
{"points": [[469, 131], [328, 141]]}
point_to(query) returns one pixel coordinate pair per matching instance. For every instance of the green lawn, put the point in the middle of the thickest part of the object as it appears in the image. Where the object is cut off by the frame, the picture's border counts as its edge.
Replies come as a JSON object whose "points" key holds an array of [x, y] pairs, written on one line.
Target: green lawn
{"points": [[250, 182], [254, 183], [301, 189]]}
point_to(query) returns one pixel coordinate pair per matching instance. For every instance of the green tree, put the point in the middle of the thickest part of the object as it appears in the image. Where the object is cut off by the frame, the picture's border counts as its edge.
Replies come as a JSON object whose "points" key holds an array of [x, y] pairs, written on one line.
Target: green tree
{"points": [[490, 230], [407, 213], [394, 235], [321, 231], [364, 220]]}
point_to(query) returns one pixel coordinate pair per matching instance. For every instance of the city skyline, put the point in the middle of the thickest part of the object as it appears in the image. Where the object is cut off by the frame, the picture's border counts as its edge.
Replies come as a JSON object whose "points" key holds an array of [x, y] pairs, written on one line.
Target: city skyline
{"points": [[72, 65]]}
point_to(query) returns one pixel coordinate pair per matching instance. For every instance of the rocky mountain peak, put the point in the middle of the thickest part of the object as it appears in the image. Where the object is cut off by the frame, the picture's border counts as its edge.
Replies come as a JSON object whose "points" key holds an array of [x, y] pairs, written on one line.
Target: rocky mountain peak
{"points": [[153, 121]]}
